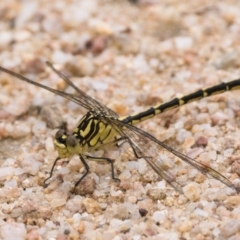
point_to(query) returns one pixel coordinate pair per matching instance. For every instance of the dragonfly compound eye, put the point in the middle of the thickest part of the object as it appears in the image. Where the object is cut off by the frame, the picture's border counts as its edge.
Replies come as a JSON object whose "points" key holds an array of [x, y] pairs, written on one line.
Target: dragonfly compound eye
{"points": [[59, 134], [71, 141]]}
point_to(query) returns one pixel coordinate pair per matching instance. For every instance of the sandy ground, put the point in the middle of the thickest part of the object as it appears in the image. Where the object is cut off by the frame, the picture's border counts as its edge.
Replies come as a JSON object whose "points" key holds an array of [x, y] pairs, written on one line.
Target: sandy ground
{"points": [[129, 55]]}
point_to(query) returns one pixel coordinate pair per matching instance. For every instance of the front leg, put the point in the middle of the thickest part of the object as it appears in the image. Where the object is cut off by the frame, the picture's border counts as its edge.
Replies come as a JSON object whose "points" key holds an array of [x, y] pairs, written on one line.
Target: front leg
{"points": [[51, 172]]}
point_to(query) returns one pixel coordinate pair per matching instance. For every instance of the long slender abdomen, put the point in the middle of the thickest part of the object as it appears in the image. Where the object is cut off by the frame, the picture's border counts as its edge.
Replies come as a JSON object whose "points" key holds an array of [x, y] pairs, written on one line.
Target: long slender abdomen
{"points": [[176, 102]]}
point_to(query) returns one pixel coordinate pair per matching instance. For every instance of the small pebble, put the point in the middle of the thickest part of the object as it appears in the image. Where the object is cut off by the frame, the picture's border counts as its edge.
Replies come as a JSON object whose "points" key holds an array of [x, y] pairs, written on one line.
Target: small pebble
{"points": [[202, 141], [143, 212], [156, 194], [87, 186], [81, 227], [230, 228], [160, 216], [192, 191], [185, 226], [91, 205], [13, 231]]}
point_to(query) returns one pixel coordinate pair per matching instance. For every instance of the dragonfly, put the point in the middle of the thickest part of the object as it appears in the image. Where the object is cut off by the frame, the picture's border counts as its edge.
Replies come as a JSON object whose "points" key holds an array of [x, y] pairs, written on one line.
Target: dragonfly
{"points": [[102, 128]]}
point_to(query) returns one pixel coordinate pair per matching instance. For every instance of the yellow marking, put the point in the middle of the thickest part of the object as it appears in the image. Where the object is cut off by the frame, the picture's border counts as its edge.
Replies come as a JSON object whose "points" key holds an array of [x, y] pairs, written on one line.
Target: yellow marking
{"points": [[157, 111], [94, 141], [63, 136], [59, 145], [235, 88], [81, 133], [227, 88], [134, 122], [180, 102], [76, 130], [93, 138], [105, 131], [102, 127], [122, 118], [111, 135], [217, 92], [146, 117], [87, 129], [61, 148], [205, 94]]}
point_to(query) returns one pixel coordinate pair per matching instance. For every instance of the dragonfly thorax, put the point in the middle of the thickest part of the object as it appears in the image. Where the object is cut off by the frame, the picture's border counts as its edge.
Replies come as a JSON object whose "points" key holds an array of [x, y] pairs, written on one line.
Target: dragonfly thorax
{"points": [[90, 134]]}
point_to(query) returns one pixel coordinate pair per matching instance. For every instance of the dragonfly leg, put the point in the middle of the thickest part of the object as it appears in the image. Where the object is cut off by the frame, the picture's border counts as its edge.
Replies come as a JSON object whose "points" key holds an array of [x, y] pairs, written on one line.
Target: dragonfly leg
{"points": [[85, 174], [109, 161], [51, 172]]}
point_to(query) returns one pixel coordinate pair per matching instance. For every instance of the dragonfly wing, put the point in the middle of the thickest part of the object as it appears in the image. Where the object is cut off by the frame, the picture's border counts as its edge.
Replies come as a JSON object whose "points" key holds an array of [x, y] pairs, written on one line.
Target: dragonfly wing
{"points": [[82, 98], [153, 151]]}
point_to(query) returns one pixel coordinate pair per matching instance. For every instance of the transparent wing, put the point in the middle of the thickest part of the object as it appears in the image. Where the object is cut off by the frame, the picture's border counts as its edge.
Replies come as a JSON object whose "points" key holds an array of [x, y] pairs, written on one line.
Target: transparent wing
{"points": [[96, 106], [148, 147], [81, 99]]}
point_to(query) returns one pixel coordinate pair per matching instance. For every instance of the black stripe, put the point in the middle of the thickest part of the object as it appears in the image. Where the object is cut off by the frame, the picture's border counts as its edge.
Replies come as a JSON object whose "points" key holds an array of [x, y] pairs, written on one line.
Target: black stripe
{"points": [[219, 88], [97, 128], [232, 84], [127, 119], [196, 95], [85, 121], [139, 116], [91, 131], [170, 104]]}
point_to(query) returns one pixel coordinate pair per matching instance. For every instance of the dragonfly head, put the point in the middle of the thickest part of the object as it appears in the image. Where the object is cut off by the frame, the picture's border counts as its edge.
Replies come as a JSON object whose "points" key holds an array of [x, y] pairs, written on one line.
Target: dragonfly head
{"points": [[66, 144]]}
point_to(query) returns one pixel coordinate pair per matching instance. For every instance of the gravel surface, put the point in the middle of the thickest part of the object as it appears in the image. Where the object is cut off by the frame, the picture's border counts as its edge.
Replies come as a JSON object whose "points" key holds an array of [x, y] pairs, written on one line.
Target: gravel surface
{"points": [[129, 55]]}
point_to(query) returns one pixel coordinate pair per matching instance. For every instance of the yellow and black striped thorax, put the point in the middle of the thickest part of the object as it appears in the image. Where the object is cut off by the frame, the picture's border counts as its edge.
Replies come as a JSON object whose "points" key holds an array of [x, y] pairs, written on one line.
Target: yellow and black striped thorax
{"points": [[91, 132]]}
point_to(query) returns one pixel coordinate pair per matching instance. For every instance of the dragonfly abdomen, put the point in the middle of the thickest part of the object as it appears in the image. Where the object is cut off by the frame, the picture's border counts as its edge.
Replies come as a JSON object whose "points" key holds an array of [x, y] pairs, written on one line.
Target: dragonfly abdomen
{"points": [[176, 102]]}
